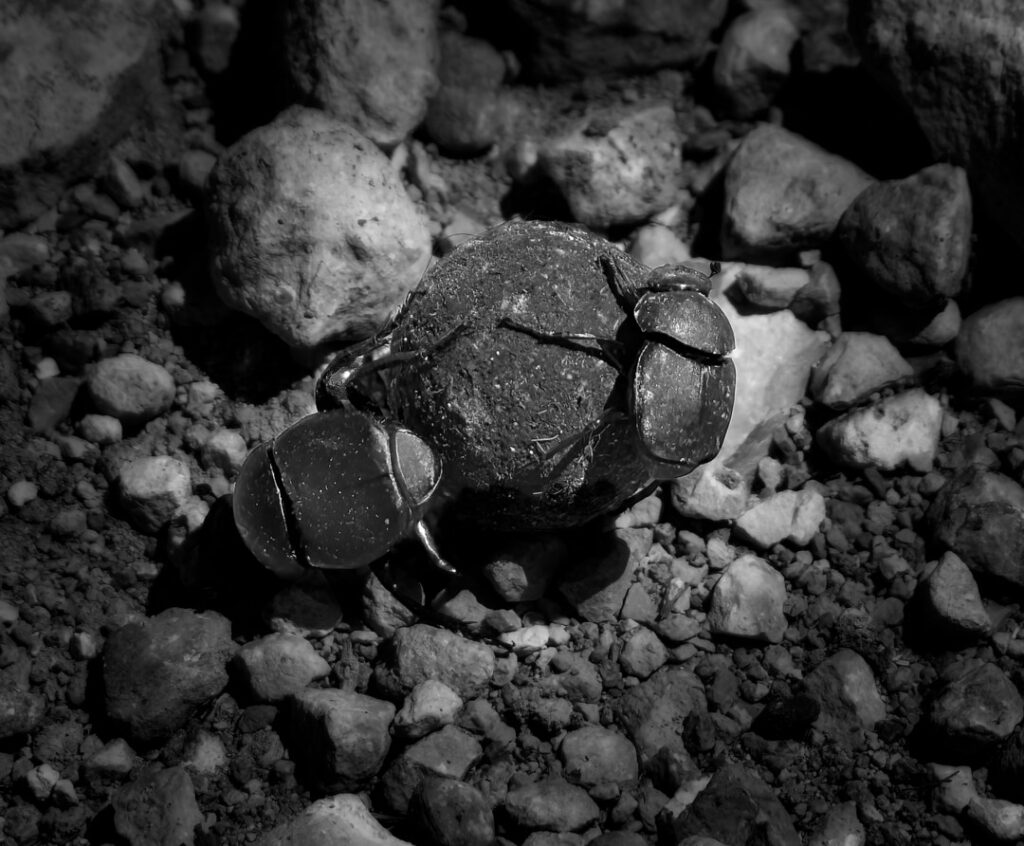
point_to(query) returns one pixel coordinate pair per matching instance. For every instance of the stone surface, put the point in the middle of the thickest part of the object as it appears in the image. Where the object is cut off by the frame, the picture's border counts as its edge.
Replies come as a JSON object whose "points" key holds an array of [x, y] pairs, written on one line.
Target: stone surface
{"points": [[278, 665], [429, 706], [911, 238], [857, 365], [369, 63], [954, 600], [424, 652], [153, 489], [453, 813], [551, 805], [130, 388], [851, 704], [748, 600], [990, 347], [311, 230], [976, 710], [594, 755], [339, 820], [448, 753], [158, 808], [899, 431], [787, 516], [654, 712], [158, 671], [771, 288], [521, 570], [618, 167], [598, 588], [783, 194]]}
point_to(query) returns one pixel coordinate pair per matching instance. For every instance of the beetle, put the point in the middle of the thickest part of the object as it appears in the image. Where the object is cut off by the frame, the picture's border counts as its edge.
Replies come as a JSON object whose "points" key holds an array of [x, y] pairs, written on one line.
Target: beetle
{"points": [[475, 393]]}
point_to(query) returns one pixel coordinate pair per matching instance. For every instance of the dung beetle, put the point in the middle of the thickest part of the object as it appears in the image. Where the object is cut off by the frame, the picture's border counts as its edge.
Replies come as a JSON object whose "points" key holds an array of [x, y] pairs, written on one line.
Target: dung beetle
{"points": [[550, 376]]}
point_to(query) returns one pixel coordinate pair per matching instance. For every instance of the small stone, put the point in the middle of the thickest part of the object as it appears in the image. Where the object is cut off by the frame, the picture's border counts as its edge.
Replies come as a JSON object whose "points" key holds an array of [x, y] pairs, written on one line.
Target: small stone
{"points": [[158, 808], [990, 346], [216, 28], [598, 588], [226, 449], [977, 710], [52, 402], [101, 429], [771, 287], [152, 489], [194, 169], [447, 753], [953, 597], [523, 569], [429, 706], [40, 781], [122, 183], [840, 827], [747, 601], [24, 250], [954, 787], [850, 702], [857, 365], [595, 755], [787, 516], [339, 820], [424, 652], [114, 760], [551, 805], [279, 665], [655, 245], [642, 654], [453, 813], [21, 493], [206, 754], [51, 308], [130, 388], [653, 713], [1002, 820]]}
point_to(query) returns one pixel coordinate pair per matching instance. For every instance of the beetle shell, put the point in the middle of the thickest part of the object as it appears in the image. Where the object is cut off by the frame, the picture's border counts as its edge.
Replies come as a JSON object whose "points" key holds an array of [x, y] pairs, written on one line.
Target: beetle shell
{"points": [[488, 399], [335, 490]]}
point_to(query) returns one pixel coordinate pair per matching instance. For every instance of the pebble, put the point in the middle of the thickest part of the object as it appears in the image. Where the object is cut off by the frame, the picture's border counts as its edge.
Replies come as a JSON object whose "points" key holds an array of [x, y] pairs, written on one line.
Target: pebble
{"points": [[851, 704], [430, 705], [752, 62], [953, 597], [597, 588], [1001, 819], [112, 761], [783, 194], [551, 805], [41, 780], [364, 243], [655, 245], [771, 288], [788, 516], [453, 813], [51, 308], [339, 737], [226, 449], [24, 250], [424, 652], [158, 808], [159, 670], [857, 365], [595, 755], [216, 29], [899, 431], [522, 569], [130, 388], [21, 493], [976, 710], [990, 346], [373, 66], [206, 754], [619, 165], [448, 753], [653, 712], [840, 827], [278, 665], [194, 169], [20, 711], [339, 820], [747, 601], [152, 489], [122, 183], [642, 654], [714, 492], [101, 429], [52, 402], [911, 238]]}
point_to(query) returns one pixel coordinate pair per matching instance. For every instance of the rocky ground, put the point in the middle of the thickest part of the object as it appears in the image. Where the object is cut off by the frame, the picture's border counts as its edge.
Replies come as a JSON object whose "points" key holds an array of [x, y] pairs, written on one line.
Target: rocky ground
{"points": [[813, 639]]}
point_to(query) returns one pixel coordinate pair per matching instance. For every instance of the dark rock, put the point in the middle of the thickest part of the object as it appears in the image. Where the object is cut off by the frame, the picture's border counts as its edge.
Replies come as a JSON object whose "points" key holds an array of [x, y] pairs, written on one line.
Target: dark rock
{"points": [[654, 712], [453, 813], [158, 808], [975, 711], [448, 753], [787, 717]]}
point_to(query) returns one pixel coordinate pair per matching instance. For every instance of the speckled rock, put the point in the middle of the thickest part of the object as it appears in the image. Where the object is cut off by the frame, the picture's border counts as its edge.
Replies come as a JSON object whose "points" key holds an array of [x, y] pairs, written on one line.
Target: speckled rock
{"points": [[851, 704], [594, 755], [338, 737], [748, 600], [642, 654], [552, 805], [1001, 819], [157, 671], [784, 194], [911, 238], [371, 64], [618, 167], [522, 570], [130, 388], [312, 232], [990, 347], [840, 827], [899, 431], [857, 365], [339, 820], [278, 665]]}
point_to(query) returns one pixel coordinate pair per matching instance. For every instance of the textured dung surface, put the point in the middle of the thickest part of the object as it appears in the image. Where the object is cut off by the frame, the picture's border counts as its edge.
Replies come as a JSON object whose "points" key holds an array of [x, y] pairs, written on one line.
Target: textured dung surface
{"points": [[485, 397]]}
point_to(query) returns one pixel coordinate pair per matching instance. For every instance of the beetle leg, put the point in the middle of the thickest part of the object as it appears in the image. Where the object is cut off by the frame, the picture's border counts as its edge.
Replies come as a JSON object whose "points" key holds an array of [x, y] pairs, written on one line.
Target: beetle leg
{"points": [[609, 351], [430, 545], [545, 452]]}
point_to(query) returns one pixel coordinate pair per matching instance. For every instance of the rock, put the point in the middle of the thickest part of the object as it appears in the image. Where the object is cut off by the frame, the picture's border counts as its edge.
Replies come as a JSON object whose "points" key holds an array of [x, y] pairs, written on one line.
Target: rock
{"points": [[752, 62], [521, 570], [158, 671], [618, 166], [597, 589], [631, 838], [771, 288], [654, 712], [825, 44], [152, 489], [714, 492], [784, 718], [980, 516], [23, 250], [101, 429], [850, 702], [736, 807], [783, 194], [278, 665], [114, 760], [747, 601], [857, 365], [424, 652], [1002, 820], [130, 388], [453, 813], [551, 805], [429, 706], [371, 64], [595, 755], [562, 42], [448, 753], [158, 808], [929, 328], [226, 449], [20, 711], [990, 347], [61, 110], [817, 303], [958, 68], [654, 245], [954, 787], [312, 231], [898, 431], [194, 169], [470, 108], [339, 820], [214, 34], [787, 516], [642, 654], [840, 827], [338, 737], [50, 308], [911, 238], [953, 599], [975, 711], [52, 402]]}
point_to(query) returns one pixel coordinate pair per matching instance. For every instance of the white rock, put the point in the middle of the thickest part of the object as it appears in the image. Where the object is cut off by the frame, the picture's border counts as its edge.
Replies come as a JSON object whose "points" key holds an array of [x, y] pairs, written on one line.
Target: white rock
{"points": [[840, 827], [429, 705], [527, 640], [340, 820], [21, 493], [101, 429], [901, 430], [312, 231], [793, 516], [206, 754], [748, 600], [857, 365], [1002, 819], [41, 780], [713, 492], [954, 787], [130, 388], [278, 665], [655, 245], [153, 489], [226, 449], [771, 287]]}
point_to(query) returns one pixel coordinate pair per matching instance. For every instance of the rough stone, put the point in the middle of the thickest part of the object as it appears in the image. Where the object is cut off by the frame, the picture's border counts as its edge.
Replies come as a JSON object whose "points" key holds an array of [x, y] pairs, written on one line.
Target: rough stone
{"points": [[954, 600], [850, 702], [595, 755], [130, 388], [448, 753], [339, 820], [747, 601], [976, 710], [551, 805], [654, 712], [152, 490], [857, 365], [158, 808], [990, 347], [278, 665]]}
